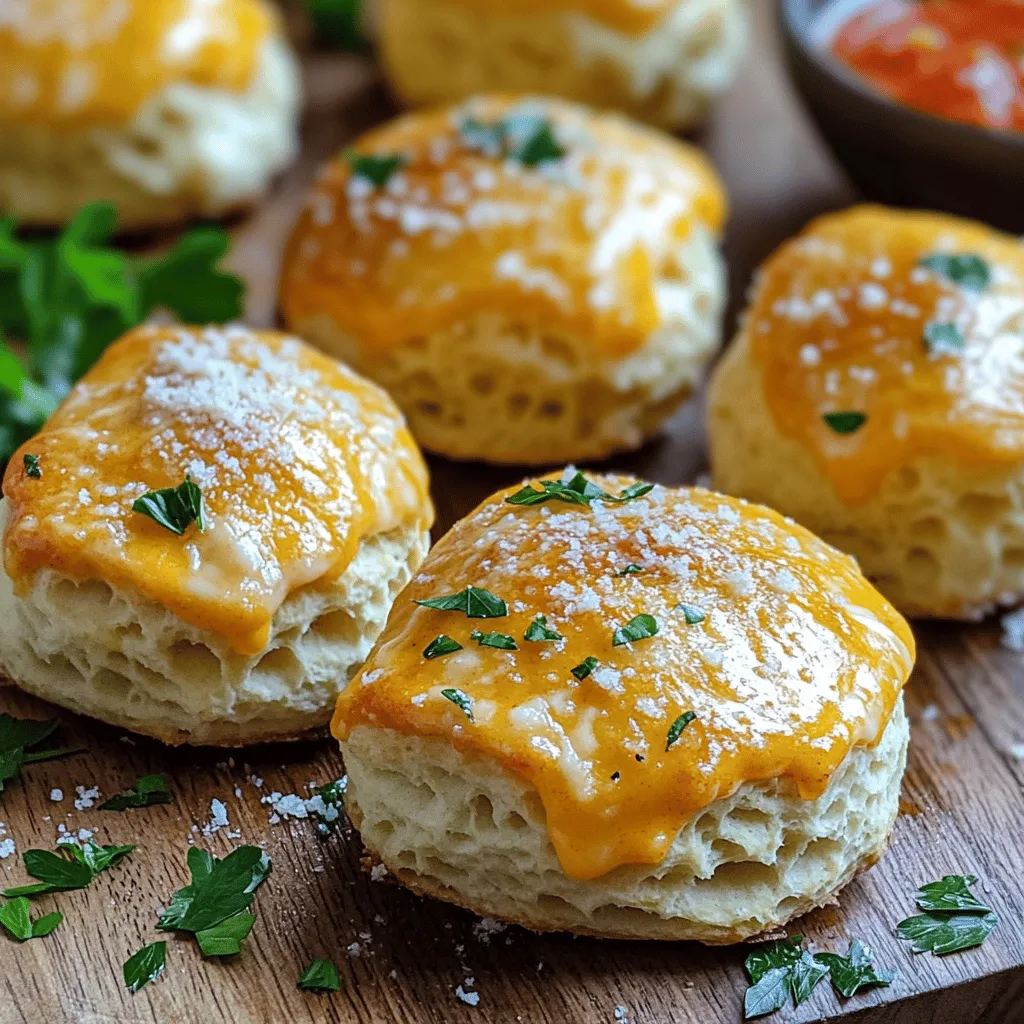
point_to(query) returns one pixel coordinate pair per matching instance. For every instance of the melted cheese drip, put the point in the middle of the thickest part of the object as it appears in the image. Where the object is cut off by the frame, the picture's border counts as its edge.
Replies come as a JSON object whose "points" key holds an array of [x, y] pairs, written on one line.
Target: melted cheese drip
{"points": [[838, 322], [80, 62], [298, 460], [634, 17], [583, 239], [797, 660]]}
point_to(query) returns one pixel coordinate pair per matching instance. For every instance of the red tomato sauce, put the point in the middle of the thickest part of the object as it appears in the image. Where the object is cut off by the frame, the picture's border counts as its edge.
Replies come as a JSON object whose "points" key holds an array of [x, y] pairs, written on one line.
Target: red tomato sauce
{"points": [[958, 59]]}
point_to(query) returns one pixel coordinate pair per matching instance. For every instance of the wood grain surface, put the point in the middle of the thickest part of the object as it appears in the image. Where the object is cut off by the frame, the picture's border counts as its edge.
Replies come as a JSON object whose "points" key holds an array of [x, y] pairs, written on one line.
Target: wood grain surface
{"points": [[401, 957]]}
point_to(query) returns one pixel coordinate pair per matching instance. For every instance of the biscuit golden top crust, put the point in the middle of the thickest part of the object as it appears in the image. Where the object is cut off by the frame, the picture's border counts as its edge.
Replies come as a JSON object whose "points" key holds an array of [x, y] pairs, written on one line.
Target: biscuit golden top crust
{"points": [[537, 208], [912, 320], [633, 17], [82, 62], [777, 644], [298, 460]]}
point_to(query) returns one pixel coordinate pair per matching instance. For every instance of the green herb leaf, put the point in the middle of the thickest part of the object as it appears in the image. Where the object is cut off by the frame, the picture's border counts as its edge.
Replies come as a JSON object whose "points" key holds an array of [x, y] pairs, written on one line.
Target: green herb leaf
{"points": [[676, 728], [145, 966], [474, 602], [630, 570], [577, 491], [333, 797], [524, 136], [43, 926], [942, 339], [149, 790], [376, 168], [31, 463], [187, 282], [225, 938], [220, 889], [15, 918], [337, 23], [539, 630], [768, 994], [72, 867], [856, 970], [804, 976], [770, 956], [320, 976], [585, 667], [691, 613], [501, 641], [460, 700], [640, 627], [17, 735], [952, 893], [174, 508], [440, 646], [968, 270], [845, 422], [946, 933]]}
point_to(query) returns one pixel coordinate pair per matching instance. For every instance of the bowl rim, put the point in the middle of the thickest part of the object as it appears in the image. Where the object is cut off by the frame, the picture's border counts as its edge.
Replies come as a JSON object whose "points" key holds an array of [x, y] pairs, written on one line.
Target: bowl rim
{"points": [[796, 25]]}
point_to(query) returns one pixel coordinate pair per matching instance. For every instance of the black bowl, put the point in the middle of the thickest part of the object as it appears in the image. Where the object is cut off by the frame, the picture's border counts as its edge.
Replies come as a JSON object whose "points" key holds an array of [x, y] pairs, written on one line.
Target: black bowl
{"points": [[898, 155]]}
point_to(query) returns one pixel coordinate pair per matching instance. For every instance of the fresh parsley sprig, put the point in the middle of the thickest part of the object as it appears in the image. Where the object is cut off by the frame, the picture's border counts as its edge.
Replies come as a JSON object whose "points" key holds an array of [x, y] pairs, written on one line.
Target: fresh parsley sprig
{"points": [[149, 790], [675, 730], [954, 918], [66, 298], [845, 422], [539, 631], [376, 168], [585, 668], [15, 917], [441, 645], [850, 973], [691, 614], [499, 641], [145, 966], [967, 269], [640, 627], [71, 867], [524, 136], [461, 700], [577, 491], [17, 736], [943, 339]]}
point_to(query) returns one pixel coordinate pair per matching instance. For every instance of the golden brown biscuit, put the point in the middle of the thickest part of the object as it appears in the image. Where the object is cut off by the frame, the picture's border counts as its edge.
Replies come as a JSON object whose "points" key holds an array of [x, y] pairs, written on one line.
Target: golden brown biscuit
{"points": [[315, 514], [661, 61], [169, 109], [682, 718], [875, 393], [531, 282]]}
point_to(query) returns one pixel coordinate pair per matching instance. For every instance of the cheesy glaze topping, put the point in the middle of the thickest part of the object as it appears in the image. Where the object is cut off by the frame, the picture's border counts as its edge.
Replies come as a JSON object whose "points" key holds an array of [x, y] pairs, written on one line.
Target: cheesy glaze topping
{"points": [[633, 17], [83, 62], [591, 239], [797, 660], [838, 323], [298, 460]]}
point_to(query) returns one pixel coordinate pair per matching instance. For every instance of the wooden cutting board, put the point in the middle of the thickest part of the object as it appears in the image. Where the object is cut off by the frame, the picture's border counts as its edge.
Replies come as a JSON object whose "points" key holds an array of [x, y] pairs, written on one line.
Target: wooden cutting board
{"points": [[401, 957]]}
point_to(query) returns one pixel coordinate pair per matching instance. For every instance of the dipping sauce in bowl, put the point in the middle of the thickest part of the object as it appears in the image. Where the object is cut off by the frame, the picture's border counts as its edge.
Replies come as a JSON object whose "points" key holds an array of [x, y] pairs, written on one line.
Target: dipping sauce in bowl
{"points": [[958, 59]]}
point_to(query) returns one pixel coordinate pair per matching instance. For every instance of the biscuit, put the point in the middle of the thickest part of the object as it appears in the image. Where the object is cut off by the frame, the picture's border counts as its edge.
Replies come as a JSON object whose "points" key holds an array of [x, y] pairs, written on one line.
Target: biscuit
{"points": [[315, 515], [660, 62], [875, 393], [530, 281], [169, 110], [682, 717]]}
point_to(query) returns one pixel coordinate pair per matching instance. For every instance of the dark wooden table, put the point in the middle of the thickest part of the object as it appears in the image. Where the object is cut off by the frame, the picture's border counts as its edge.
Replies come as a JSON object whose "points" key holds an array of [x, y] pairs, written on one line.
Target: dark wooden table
{"points": [[401, 957]]}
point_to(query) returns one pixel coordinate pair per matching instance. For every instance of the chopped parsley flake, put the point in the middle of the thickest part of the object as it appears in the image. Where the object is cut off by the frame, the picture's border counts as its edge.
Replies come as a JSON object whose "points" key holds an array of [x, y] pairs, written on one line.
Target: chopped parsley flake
{"points": [[968, 270], [523, 136], [845, 422], [500, 641], [320, 976], [539, 630], [585, 667], [630, 570], [777, 971], [145, 966], [641, 627], [691, 613], [578, 491], [460, 700], [174, 508], [474, 602], [17, 735], [441, 645], [376, 168], [676, 728], [954, 918], [854, 971], [31, 463], [943, 339], [149, 790], [72, 867], [226, 937]]}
